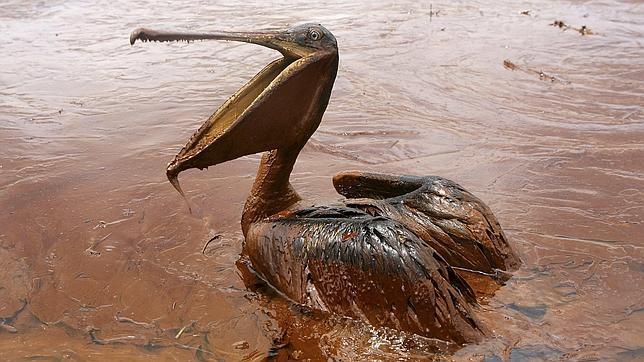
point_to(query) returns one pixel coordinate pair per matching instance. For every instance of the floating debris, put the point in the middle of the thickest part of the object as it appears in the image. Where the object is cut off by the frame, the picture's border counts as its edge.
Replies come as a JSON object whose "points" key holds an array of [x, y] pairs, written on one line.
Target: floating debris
{"points": [[584, 30], [432, 12], [508, 64], [9, 328], [185, 328], [560, 24], [241, 345], [296, 354], [91, 250], [122, 319], [92, 331], [544, 76], [525, 12], [203, 251]]}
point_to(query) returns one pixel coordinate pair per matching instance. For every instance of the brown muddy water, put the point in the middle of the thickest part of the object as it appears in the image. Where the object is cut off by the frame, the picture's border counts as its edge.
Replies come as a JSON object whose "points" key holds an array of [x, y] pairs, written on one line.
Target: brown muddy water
{"points": [[100, 259]]}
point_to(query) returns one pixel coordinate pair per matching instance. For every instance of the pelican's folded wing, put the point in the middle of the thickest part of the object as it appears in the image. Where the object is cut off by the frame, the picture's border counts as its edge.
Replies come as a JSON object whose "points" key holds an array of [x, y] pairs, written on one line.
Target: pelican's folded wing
{"points": [[346, 261], [452, 220]]}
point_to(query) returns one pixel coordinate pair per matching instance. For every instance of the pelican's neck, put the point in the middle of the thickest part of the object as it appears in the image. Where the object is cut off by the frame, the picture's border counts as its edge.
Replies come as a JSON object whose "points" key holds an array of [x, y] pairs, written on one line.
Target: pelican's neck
{"points": [[272, 192]]}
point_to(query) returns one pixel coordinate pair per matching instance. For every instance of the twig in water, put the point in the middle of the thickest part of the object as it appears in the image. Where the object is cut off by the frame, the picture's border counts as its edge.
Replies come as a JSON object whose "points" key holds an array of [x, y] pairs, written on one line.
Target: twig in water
{"points": [[203, 251], [183, 329]]}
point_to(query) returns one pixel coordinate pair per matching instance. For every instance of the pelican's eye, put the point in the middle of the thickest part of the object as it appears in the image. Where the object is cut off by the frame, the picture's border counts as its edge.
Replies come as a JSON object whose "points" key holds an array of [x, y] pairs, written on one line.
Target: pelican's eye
{"points": [[315, 35]]}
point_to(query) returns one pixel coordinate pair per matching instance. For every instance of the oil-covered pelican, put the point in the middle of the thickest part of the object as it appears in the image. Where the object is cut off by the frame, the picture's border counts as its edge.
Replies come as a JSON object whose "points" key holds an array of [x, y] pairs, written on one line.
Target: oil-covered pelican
{"points": [[398, 252]]}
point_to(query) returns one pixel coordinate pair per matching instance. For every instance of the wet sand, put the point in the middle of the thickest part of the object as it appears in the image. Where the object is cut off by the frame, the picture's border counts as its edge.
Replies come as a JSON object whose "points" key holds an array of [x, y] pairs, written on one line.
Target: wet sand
{"points": [[100, 259]]}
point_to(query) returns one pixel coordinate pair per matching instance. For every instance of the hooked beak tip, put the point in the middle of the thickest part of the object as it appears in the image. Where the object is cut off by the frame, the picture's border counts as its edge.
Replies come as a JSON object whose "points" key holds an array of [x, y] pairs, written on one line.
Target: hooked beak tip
{"points": [[173, 177], [171, 172], [135, 35], [143, 34]]}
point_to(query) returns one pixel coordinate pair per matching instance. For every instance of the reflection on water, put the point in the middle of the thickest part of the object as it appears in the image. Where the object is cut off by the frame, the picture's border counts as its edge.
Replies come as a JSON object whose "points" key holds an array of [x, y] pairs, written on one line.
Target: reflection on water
{"points": [[100, 258]]}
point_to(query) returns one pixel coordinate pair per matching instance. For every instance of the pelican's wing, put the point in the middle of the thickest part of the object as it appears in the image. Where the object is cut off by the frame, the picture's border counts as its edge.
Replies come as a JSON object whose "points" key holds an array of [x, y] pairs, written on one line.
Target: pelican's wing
{"points": [[356, 184], [346, 261], [455, 223]]}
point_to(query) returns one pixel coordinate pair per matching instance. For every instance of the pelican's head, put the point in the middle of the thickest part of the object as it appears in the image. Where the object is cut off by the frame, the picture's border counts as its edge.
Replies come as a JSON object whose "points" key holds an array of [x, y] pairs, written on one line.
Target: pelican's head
{"points": [[297, 42], [280, 107]]}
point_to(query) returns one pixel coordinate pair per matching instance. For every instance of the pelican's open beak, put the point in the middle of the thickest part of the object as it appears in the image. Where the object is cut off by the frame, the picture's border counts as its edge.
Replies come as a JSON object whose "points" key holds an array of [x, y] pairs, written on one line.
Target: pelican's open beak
{"points": [[260, 116], [280, 41]]}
